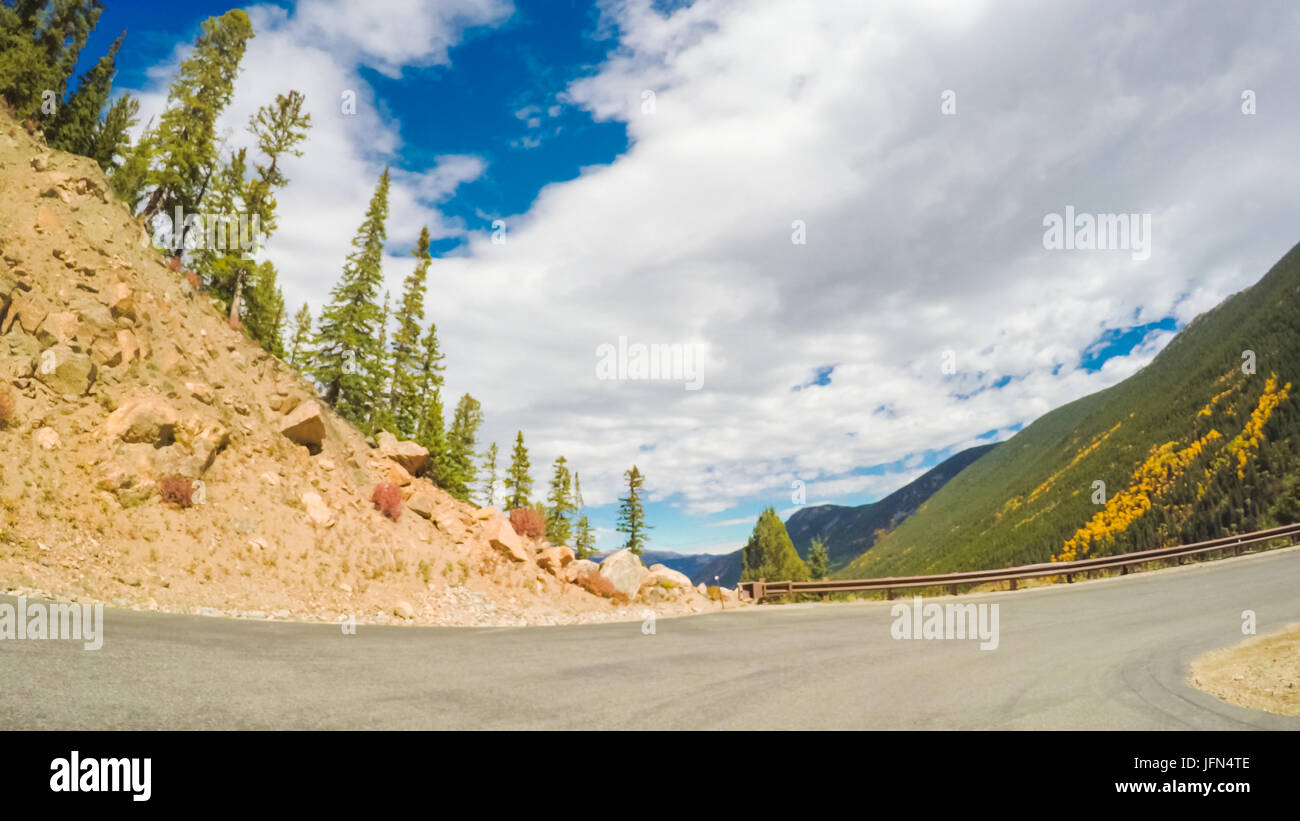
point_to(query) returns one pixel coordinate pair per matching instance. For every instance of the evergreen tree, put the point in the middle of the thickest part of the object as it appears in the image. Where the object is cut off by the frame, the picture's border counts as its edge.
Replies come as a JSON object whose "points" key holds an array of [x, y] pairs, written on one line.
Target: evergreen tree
{"points": [[519, 485], [348, 361], [429, 425], [459, 474], [40, 43], [76, 123], [770, 554], [230, 267], [111, 138], [263, 309], [300, 345], [381, 417], [185, 142], [131, 177], [490, 475], [819, 560], [584, 540], [432, 435], [631, 515], [558, 527], [404, 396]]}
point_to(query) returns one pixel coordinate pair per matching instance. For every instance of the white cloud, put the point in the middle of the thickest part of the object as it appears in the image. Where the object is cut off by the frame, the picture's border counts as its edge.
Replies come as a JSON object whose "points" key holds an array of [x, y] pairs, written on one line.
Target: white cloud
{"points": [[923, 230]]}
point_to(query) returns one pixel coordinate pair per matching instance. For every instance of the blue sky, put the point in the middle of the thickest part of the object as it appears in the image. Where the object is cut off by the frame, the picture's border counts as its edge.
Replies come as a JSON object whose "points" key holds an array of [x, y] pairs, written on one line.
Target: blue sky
{"points": [[673, 223]]}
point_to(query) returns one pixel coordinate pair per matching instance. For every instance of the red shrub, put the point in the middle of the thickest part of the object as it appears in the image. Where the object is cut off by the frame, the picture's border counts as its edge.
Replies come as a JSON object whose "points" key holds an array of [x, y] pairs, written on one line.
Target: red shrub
{"points": [[176, 490], [388, 498], [194, 281], [528, 522], [235, 322], [174, 263]]}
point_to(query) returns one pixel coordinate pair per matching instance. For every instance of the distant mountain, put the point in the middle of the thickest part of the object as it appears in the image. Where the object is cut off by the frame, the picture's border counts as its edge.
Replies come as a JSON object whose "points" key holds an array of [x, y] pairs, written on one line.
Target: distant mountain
{"points": [[847, 531], [1203, 442], [691, 565]]}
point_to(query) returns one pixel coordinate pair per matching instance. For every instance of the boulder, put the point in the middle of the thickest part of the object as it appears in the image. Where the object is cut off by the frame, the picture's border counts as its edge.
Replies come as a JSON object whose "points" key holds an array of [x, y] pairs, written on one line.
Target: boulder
{"points": [[210, 439], [147, 420], [593, 582], [502, 536], [403, 610], [48, 439], [409, 455], [555, 558], [660, 573], [58, 328], [485, 513], [392, 473], [624, 570], [422, 504], [25, 311], [305, 426], [65, 371], [119, 299], [317, 509], [201, 391]]}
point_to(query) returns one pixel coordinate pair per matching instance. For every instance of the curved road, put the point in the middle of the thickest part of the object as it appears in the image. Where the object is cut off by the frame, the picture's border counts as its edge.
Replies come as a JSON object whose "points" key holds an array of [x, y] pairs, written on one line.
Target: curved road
{"points": [[1107, 654]]}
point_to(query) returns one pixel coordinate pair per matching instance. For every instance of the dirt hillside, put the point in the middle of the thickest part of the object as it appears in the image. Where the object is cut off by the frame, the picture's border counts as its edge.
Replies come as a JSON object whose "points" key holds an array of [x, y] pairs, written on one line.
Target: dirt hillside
{"points": [[120, 383]]}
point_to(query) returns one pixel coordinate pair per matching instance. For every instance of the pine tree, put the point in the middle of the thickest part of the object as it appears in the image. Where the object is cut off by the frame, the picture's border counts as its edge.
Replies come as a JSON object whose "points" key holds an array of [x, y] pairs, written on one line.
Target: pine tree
{"points": [[558, 527], [132, 176], [404, 396], [631, 514], [220, 263], [185, 142], [432, 435], [300, 345], [519, 485], [770, 554], [381, 417], [490, 476], [111, 138], [230, 266], [429, 424], [819, 560], [348, 361], [75, 125], [584, 541], [459, 474], [263, 308], [40, 43]]}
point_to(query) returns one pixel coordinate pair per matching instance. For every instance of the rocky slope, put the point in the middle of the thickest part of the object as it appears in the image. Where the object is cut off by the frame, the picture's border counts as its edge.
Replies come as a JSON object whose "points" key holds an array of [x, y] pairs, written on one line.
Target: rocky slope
{"points": [[155, 458]]}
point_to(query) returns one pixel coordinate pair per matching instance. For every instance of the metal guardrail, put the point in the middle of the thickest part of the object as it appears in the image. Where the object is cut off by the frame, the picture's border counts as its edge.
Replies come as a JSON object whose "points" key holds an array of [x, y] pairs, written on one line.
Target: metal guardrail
{"points": [[762, 589]]}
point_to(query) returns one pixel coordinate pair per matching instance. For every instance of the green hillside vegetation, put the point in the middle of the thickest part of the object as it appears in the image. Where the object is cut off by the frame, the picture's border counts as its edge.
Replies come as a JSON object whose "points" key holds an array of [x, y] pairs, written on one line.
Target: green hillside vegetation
{"points": [[1191, 447]]}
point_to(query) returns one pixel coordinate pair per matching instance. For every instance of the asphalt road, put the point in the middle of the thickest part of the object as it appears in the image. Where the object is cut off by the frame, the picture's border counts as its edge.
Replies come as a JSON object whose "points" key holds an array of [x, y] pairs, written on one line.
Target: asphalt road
{"points": [[1109, 654]]}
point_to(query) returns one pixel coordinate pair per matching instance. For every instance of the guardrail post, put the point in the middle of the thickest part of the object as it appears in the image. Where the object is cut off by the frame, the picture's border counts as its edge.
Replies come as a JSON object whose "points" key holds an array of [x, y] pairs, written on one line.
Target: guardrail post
{"points": [[889, 594], [1069, 578], [1013, 584], [952, 589]]}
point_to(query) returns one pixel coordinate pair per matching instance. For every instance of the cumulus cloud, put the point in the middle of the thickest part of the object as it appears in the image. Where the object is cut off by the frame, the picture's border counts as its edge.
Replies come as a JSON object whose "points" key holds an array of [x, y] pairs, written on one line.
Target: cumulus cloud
{"points": [[924, 231], [750, 122]]}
